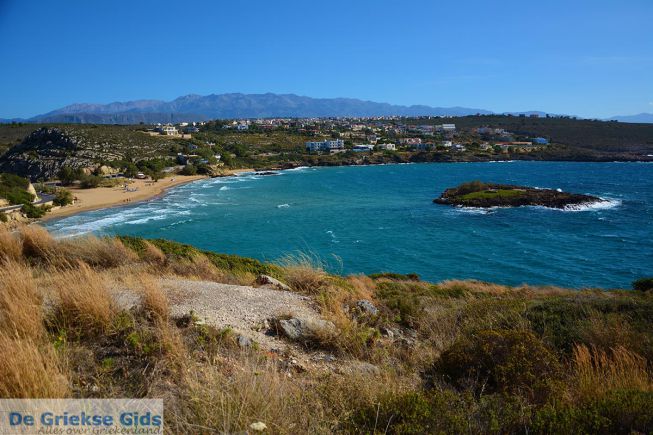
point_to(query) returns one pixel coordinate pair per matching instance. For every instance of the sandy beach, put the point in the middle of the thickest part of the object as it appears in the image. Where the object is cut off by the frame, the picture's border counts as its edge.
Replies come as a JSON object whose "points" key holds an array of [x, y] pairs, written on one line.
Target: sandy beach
{"points": [[139, 190]]}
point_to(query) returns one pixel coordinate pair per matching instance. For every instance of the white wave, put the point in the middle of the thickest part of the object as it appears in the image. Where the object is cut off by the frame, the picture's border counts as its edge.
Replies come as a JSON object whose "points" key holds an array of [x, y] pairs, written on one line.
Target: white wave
{"points": [[298, 168], [602, 204], [225, 188], [283, 206], [475, 210]]}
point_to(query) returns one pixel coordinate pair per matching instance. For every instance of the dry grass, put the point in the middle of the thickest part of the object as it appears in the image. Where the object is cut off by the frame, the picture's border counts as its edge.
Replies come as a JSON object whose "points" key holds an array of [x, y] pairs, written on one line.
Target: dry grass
{"points": [[101, 252], [29, 370], [11, 246], [84, 300], [21, 312], [37, 243], [153, 300], [304, 273], [199, 267], [597, 371], [230, 396], [152, 254]]}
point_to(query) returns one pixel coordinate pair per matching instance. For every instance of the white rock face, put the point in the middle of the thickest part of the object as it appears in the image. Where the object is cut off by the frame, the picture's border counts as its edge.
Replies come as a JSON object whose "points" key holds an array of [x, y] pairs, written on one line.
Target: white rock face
{"points": [[30, 189]]}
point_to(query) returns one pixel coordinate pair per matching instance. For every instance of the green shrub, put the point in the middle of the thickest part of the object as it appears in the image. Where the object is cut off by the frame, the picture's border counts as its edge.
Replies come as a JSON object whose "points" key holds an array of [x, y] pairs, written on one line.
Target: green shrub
{"points": [[68, 175], [189, 170], [232, 263], [34, 212], [395, 276], [566, 321], [404, 300], [643, 284], [618, 412], [90, 181], [14, 189], [500, 361], [444, 411], [63, 197]]}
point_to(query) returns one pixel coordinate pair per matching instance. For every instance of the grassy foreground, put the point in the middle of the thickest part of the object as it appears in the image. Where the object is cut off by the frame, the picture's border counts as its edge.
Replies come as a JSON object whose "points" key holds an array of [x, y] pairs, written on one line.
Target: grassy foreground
{"points": [[453, 357]]}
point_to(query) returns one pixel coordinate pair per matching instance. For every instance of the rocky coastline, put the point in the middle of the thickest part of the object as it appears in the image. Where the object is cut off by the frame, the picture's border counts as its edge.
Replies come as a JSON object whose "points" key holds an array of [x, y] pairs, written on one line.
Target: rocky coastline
{"points": [[477, 194]]}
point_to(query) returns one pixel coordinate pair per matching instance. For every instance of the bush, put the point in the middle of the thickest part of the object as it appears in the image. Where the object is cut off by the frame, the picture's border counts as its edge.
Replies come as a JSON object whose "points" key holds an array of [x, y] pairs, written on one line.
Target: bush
{"points": [[189, 170], [395, 276], [34, 212], [643, 284], [63, 197], [90, 182], [619, 412], [441, 412], [500, 361], [3, 217], [68, 175]]}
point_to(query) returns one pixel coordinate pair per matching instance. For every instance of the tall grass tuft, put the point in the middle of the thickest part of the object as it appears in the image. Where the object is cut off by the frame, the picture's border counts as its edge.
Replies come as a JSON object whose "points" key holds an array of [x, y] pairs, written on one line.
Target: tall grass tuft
{"points": [[598, 371], [101, 252], [304, 273], [153, 300], [29, 370], [152, 254], [11, 247], [21, 312], [84, 301], [37, 243]]}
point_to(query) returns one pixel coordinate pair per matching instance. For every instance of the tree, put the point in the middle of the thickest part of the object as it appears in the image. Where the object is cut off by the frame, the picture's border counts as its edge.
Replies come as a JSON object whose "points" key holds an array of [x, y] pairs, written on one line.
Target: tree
{"points": [[130, 170], [157, 175], [90, 181], [67, 175], [189, 170]]}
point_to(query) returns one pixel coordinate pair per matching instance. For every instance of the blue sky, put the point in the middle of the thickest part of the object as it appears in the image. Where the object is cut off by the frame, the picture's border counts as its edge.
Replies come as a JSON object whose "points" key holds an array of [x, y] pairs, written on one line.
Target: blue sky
{"points": [[588, 58]]}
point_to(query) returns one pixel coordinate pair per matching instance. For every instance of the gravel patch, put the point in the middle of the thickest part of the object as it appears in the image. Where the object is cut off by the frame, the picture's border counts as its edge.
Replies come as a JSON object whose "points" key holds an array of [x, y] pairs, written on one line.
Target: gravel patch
{"points": [[242, 308]]}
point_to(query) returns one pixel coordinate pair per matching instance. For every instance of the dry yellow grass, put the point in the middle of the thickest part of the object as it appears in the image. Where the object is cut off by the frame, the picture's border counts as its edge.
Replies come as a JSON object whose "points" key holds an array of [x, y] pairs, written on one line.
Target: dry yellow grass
{"points": [[199, 267], [84, 300], [153, 300], [94, 251], [230, 396], [597, 371], [11, 247], [37, 242], [21, 312], [153, 254], [304, 274], [29, 370]]}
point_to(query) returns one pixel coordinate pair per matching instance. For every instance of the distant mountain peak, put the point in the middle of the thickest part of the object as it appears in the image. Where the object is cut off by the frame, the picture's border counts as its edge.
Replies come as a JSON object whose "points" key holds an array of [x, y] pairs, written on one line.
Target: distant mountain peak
{"points": [[193, 107], [644, 118]]}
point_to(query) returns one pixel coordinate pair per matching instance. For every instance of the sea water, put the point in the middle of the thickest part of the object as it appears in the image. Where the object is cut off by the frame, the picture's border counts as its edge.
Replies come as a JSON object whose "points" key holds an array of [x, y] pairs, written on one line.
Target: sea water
{"points": [[366, 219]]}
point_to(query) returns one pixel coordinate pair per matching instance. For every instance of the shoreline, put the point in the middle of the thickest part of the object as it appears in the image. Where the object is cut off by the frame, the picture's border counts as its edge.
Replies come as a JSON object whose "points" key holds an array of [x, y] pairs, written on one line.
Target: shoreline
{"points": [[96, 197], [100, 198]]}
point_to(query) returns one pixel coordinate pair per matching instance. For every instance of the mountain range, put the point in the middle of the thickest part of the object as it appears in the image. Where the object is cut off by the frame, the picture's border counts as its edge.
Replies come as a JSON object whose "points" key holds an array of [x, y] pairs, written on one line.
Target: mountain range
{"points": [[236, 105]]}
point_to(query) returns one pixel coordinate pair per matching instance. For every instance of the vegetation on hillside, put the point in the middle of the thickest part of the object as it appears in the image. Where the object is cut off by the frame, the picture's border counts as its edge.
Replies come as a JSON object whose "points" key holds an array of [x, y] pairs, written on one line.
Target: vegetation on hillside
{"points": [[14, 189], [452, 357]]}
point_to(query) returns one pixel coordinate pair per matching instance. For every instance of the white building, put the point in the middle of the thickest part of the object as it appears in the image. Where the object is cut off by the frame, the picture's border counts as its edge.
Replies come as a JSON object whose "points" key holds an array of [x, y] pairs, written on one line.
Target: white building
{"points": [[387, 146], [169, 130], [326, 145]]}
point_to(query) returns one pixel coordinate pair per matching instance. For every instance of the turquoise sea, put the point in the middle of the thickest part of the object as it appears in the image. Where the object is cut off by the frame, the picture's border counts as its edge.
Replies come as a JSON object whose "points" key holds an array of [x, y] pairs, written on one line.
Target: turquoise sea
{"points": [[366, 219]]}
